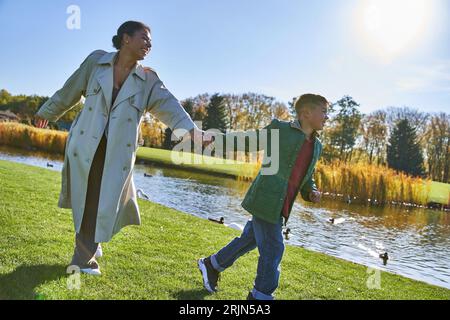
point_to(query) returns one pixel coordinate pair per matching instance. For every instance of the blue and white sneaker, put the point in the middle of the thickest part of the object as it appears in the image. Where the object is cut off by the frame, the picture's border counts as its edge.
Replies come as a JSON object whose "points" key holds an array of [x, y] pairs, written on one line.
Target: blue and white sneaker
{"points": [[210, 275]]}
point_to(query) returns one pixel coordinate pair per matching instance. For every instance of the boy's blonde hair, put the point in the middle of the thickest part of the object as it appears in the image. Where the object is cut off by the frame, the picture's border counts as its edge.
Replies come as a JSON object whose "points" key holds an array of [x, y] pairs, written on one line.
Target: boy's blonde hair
{"points": [[310, 101]]}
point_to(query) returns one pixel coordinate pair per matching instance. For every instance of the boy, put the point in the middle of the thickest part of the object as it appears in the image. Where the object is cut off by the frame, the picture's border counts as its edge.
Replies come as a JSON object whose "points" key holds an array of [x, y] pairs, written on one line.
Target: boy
{"points": [[270, 198]]}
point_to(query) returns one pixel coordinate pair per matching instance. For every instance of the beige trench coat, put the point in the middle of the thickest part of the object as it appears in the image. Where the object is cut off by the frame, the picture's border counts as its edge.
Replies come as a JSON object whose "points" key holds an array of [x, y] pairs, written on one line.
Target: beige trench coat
{"points": [[142, 91]]}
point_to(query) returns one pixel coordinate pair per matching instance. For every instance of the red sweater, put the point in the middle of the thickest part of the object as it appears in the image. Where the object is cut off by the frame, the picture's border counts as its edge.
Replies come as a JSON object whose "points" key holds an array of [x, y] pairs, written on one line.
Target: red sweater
{"points": [[301, 165]]}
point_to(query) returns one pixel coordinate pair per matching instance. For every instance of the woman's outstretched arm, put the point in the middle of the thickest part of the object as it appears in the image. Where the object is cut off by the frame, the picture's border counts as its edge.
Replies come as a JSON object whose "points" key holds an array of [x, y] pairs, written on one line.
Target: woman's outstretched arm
{"points": [[66, 97]]}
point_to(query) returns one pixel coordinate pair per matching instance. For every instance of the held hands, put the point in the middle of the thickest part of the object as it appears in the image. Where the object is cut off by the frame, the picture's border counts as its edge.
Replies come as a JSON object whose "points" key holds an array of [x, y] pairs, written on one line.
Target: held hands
{"points": [[315, 196], [208, 138], [40, 122], [201, 137]]}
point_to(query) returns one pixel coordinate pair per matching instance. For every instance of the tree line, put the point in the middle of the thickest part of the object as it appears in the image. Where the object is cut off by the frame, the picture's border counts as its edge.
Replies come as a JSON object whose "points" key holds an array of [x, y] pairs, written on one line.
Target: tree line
{"points": [[404, 139]]}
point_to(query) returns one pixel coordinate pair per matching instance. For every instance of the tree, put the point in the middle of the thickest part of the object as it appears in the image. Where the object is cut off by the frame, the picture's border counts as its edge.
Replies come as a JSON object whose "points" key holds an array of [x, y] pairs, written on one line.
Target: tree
{"points": [[342, 132], [5, 97], [374, 136], [403, 151], [168, 144], [216, 114], [437, 147], [188, 106], [253, 110], [416, 118]]}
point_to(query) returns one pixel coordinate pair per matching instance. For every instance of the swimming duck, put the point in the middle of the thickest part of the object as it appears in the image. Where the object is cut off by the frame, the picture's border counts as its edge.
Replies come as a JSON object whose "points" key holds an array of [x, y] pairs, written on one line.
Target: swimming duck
{"points": [[49, 165], [286, 233], [220, 221], [147, 175], [385, 257], [336, 221], [232, 225]]}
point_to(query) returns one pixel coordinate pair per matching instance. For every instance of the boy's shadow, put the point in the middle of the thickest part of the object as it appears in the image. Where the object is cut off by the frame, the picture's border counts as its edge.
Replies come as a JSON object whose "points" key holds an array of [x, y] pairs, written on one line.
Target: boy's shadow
{"points": [[21, 283], [195, 294]]}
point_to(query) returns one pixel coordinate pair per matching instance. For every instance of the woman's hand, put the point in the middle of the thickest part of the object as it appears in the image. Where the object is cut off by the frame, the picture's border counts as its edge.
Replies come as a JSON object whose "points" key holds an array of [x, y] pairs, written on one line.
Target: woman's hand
{"points": [[40, 122]]}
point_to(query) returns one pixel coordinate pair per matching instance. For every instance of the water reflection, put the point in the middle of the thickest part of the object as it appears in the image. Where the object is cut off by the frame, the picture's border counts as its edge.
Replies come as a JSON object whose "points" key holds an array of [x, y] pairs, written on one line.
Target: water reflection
{"points": [[416, 240]]}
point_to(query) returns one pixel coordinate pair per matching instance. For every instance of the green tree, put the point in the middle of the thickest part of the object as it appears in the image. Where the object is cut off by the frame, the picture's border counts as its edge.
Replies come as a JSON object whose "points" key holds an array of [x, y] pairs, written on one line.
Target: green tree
{"points": [[168, 144], [216, 114], [403, 151], [5, 97], [342, 132]]}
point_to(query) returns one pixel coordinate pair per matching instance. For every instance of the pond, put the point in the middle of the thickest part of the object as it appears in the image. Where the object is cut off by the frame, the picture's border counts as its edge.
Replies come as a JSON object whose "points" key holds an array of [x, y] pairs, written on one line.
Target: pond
{"points": [[417, 240]]}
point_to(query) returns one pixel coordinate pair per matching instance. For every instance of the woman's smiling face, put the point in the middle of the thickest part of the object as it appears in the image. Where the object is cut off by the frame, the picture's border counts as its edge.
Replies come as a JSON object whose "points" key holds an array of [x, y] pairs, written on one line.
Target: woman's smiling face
{"points": [[139, 44]]}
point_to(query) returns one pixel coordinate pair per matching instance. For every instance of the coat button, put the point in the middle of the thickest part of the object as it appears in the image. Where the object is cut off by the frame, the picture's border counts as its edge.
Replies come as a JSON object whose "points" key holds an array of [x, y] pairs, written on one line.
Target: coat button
{"points": [[124, 168], [129, 119], [90, 108], [81, 132], [75, 154], [128, 144]]}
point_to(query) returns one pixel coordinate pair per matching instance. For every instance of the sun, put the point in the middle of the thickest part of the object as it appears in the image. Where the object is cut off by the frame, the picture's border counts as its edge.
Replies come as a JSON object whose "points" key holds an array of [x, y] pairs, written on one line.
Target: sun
{"points": [[389, 27]]}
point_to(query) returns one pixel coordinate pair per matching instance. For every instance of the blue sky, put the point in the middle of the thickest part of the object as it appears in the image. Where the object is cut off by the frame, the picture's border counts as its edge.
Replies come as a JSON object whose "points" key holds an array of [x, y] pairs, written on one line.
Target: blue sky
{"points": [[378, 53]]}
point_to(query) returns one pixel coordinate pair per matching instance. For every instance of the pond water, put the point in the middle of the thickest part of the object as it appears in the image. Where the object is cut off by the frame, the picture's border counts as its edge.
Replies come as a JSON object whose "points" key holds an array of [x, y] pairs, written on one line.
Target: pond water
{"points": [[417, 240]]}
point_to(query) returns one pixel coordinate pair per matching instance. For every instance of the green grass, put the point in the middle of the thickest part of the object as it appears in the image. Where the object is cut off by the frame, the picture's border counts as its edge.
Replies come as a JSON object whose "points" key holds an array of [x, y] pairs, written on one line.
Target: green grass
{"points": [[201, 163], [439, 193], [156, 260]]}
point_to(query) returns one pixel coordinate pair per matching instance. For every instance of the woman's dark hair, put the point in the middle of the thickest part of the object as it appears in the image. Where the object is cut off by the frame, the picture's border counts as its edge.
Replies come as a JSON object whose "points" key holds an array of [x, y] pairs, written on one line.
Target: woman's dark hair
{"points": [[129, 27]]}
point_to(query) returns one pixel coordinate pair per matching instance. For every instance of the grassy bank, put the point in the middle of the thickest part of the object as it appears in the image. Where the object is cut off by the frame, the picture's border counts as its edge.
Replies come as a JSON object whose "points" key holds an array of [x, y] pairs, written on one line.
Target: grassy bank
{"points": [[158, 259], [190, 161], [362, 183]]}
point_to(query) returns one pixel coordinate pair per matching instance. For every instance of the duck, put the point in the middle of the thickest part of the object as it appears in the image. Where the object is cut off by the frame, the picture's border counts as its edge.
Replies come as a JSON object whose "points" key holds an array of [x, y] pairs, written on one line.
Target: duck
{"points": [[220, 221], [141, 194], [349, 200], [49, 165], [232, 225], [336, 221], [147, 175], [384, 257], [286, 233]]}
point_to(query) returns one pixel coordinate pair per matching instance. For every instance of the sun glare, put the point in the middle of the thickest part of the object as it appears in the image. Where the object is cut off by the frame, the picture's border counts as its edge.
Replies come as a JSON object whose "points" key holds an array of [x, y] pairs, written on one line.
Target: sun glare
{"points": [[389, 27]]}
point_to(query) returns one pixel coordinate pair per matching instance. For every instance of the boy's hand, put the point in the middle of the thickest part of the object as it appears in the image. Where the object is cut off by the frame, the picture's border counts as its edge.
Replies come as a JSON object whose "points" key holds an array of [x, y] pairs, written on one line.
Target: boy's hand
{"points": [[315, 196], [201, 137], [40, 122], [208, 138]]}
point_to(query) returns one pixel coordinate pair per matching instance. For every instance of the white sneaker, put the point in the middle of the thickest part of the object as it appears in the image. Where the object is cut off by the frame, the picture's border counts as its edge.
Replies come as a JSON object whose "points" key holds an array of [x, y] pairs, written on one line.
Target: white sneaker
{"points": [[94, 270], [99, 252]]}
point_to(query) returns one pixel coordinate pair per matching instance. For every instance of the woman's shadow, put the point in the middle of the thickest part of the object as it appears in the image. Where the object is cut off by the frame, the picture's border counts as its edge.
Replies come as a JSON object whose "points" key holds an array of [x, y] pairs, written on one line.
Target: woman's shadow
{"points": [[22, 282]]}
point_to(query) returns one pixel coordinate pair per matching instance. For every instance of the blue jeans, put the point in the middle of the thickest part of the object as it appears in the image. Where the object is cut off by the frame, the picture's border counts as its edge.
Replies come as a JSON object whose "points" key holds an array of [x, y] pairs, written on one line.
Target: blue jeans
{"points": [[269, 240]]}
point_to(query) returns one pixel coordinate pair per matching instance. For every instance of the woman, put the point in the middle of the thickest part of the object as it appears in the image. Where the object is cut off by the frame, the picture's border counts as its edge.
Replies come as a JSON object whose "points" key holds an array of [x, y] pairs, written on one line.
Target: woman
{"points": [[97, 182]]}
